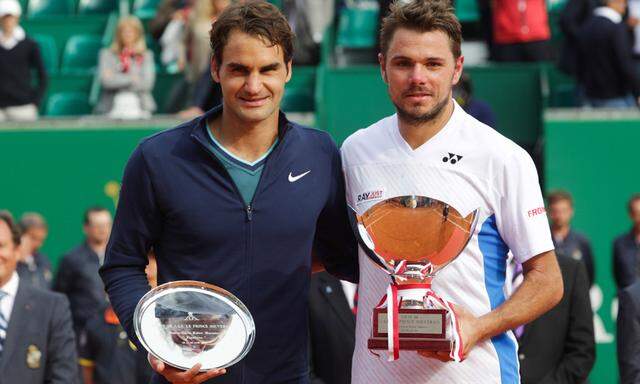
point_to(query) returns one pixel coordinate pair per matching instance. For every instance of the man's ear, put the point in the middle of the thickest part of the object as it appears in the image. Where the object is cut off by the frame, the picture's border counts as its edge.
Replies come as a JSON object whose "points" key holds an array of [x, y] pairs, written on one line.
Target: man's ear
{"points": [[215, 70], [289, 71], [457, 72], [383, 68]]}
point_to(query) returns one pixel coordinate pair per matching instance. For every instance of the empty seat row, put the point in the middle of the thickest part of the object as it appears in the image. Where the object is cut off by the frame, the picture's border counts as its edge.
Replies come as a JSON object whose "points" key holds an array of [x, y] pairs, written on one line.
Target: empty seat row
{"points": [[46, 8], [80, 53]]}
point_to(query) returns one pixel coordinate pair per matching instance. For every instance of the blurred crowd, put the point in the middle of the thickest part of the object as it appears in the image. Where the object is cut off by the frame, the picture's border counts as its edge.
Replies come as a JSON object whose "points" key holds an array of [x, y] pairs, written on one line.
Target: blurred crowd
{"points": [[600, 49], [559, 346]]}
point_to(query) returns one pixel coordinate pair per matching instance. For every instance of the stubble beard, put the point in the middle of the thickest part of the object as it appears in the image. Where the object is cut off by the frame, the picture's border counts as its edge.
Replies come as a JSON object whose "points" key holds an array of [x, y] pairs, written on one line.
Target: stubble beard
{"points": [[417, 119]]}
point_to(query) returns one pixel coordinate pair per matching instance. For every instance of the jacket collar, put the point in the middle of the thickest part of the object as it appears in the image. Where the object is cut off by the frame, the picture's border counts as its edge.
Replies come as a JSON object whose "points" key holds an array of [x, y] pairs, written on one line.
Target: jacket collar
{"points": [[199, 130]]}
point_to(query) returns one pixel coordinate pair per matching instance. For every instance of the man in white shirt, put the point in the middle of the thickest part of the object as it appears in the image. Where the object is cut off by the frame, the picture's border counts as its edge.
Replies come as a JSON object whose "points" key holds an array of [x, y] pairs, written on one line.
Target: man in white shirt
{"points": [[431, 147]]}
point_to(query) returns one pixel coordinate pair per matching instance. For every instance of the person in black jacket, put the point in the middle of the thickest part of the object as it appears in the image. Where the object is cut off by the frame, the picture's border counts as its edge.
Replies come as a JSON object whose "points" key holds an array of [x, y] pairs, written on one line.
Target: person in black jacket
{"points": [[567, 241], [559, 346], [19, 56], [34, 266], [626, 249], [78, 276], [572, 18], [332, 329], [629, 334], [607, 71]]}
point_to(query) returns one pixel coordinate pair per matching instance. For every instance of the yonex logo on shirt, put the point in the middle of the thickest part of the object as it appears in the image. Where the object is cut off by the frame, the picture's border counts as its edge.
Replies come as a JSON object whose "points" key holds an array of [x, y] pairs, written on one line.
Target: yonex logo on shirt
{"points": [[453, 158]]}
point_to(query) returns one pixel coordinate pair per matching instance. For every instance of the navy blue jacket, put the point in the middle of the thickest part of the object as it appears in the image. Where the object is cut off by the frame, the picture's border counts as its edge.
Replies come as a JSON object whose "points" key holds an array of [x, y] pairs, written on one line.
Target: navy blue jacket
{"points": [[178, 198], [626, 260]]}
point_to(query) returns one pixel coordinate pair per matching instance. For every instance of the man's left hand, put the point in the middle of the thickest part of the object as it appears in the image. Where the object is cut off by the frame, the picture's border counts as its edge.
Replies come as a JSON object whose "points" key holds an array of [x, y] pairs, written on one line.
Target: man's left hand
{"points": [[469, 335]]}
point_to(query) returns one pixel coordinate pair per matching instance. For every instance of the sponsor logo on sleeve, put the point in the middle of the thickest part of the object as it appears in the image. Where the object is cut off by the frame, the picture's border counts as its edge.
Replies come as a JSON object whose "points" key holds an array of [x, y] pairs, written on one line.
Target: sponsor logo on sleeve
{"points": [[536, 211]]}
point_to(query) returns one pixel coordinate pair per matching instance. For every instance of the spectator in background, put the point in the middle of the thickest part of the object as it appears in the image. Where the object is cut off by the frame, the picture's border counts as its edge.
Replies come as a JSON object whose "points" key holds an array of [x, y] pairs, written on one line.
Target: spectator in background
{"points": [[607, 72], [34, 266], [567, 241], [521, 30], [167, 11], [198, 51], [78, 271], [628, 328], [36, 338], [106, 354], [127, 73], [206, 95], [197, 87], [308, 20], [19, 56], [480, 110], [332, 328], [626, 249], [559, 346], [573, 16]]}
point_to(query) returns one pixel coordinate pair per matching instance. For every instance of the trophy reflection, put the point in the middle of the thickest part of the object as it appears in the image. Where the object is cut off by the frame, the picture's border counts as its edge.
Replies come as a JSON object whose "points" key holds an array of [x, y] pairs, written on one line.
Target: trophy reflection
{"points": [[412, 238], [193, 332]]}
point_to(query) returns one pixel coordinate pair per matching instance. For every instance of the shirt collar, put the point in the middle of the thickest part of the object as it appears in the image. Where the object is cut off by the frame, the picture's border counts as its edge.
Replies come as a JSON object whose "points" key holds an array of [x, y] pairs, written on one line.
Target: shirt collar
{"points": [[11, 286], [18, 36], [608, 13]]}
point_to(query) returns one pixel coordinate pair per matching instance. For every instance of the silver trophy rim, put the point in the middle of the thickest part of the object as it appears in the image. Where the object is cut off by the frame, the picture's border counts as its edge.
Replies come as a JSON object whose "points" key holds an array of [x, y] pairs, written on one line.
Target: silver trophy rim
{"points": [[196, 286]]}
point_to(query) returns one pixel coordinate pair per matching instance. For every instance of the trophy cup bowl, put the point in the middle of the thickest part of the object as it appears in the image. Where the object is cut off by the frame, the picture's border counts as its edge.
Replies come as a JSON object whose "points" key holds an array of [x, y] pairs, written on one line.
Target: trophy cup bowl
{"points": [[412, 238], [186, 322]]}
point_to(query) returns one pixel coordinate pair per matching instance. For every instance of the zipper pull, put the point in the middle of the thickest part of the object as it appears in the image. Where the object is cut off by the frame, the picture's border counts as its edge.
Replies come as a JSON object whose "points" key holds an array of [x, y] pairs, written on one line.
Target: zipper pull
{"points": [[249, 212]]}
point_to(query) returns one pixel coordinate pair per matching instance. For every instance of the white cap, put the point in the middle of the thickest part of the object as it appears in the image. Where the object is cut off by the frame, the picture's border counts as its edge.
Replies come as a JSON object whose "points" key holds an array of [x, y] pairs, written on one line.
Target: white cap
{"points": [[10, 7]]}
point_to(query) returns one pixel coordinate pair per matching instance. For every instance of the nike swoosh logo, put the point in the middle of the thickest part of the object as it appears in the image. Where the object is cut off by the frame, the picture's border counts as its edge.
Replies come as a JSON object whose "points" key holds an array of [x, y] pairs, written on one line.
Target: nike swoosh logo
{"points": [[293, 179]]}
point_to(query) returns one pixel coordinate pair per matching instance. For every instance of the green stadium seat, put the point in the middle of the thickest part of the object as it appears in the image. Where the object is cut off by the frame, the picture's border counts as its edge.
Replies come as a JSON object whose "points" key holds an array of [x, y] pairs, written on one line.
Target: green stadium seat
{"points": [[81, 53], [88, 7], [68, 104], [357, 28], [46, 8], [145, 9], [467, 10], [49, 51]]}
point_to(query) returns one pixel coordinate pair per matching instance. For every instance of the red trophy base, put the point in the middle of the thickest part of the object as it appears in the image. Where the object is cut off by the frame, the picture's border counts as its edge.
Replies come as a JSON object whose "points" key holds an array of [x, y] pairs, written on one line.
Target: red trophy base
{"points": [[419, 329]]}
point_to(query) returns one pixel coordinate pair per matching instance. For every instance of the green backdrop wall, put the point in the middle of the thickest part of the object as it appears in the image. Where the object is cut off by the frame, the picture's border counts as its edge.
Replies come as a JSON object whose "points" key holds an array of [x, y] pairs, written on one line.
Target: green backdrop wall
{"points": [[595, 157], [60, 172]]}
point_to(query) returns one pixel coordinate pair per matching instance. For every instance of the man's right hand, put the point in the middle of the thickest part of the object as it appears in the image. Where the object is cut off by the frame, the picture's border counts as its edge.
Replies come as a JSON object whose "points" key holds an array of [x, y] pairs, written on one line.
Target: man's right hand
{"points": [[178, 376]]}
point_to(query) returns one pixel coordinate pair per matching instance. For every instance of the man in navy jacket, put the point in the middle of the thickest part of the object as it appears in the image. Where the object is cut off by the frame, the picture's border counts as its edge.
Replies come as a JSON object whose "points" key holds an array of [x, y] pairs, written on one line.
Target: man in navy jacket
{"points": [[239, 197]]}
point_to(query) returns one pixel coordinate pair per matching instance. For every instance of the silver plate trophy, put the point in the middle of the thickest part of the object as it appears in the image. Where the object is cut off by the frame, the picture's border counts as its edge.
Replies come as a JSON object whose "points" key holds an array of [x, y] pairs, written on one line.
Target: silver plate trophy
{"points": [[187, 322], [412, 238]]}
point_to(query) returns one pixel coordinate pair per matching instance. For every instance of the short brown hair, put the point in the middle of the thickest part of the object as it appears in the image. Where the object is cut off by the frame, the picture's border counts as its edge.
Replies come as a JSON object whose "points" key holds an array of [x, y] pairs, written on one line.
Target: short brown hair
{"points": [[422, 16], [7, 217], [255, 18], [557, 196]]}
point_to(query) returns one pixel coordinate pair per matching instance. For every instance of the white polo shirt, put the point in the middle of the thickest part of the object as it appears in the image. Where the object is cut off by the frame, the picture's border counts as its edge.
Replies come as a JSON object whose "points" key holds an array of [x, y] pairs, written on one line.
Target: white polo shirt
{"points": [[469, 166]]}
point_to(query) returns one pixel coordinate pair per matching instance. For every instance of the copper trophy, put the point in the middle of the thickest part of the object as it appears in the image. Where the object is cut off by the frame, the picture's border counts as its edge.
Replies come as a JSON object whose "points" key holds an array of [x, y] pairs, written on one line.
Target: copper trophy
{"points": [[412, 238]]}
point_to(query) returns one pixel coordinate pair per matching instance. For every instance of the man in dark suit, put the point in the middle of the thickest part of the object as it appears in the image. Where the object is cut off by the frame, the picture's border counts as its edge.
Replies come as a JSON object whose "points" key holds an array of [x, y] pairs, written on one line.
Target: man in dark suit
{"points": [[34, 266], [332, 329], [629, 334], [36, 337], [568, 242], [78, 276], [626, 249], [559, 346]]}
